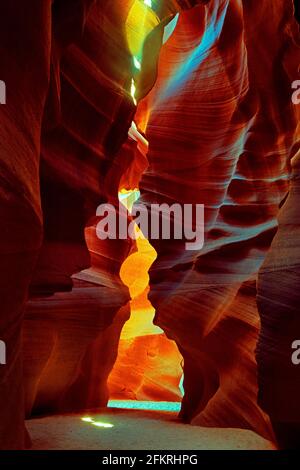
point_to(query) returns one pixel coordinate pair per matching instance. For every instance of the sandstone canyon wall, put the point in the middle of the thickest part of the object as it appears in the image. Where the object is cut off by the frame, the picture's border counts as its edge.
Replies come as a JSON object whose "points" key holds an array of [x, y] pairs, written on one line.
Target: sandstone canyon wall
{"points": [[221, 129], [215, 126]]}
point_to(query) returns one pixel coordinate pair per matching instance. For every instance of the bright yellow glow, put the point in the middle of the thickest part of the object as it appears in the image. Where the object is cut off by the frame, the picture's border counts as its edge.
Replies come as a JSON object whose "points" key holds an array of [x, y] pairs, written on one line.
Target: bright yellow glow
{"points": [[134, 274], [99, 424], [141, 20]]}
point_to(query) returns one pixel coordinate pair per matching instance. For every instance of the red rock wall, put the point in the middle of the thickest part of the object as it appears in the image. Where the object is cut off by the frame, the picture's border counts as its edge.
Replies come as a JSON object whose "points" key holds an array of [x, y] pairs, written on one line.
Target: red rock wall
{"points": [[88, 113], [24, 41], [221, 128], [76, 291]]}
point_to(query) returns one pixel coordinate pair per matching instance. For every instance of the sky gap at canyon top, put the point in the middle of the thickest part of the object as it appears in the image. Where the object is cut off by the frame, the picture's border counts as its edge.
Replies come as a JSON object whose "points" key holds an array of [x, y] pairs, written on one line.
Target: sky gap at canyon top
{"points": [[154, 221]]}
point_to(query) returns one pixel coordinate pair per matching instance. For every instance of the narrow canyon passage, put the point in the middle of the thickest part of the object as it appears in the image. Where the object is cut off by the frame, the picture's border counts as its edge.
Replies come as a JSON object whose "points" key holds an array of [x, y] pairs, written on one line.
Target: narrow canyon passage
{"points": [[142, 342], [151, 363]]}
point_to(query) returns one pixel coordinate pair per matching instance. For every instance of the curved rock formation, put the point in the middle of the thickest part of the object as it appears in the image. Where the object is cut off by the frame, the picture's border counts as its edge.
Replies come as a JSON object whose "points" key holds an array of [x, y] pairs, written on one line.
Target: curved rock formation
{"points": [[76, 290], [24, 41], [77, 297], [278, 303], [215, 125], [221, 128]]}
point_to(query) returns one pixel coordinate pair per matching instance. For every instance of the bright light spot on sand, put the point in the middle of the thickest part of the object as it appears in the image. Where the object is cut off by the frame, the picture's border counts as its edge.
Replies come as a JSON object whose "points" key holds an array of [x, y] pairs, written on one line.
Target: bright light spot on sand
{"points": [[172, 406], [87, 419], [99, 424]]}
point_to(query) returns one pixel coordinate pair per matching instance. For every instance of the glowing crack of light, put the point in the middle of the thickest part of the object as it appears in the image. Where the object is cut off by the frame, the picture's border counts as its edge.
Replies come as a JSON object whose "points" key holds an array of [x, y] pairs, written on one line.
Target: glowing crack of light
{"points": [[133, 91], [181, 387], [134, 274], [148, 3], [99, 424], [172, 406], [137, 63]]}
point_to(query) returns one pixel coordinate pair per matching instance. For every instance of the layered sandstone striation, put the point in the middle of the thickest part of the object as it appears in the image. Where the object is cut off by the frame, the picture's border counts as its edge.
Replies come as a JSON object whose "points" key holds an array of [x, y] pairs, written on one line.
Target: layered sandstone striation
{"points": [[221, 128], [214, 125], [78, 302]]}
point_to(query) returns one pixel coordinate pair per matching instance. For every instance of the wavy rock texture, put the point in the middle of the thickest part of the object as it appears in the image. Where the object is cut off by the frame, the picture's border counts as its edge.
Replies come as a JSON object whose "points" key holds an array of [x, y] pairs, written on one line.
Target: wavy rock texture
{"points": [[221, 128], [278, 303], [82, 124], [217, 115], [76, 291], [78, 301], [150, 362], [75, 99], [24, 41]]}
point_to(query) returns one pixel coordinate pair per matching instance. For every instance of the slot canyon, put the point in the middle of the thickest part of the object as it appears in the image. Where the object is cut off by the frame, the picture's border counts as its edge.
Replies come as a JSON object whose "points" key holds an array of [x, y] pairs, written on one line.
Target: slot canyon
{"points": [[151, 102]]}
